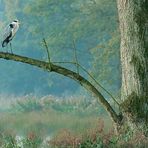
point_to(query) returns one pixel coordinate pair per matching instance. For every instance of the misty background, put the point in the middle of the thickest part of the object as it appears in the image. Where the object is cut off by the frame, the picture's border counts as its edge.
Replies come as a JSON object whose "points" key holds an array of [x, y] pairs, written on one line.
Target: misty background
{"points": [[91, 24], [37, 103]]}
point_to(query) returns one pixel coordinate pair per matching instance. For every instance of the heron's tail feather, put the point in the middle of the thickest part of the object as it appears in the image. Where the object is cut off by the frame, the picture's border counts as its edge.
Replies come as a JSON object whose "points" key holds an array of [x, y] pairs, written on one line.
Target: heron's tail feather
{"points": [[4, 43]]}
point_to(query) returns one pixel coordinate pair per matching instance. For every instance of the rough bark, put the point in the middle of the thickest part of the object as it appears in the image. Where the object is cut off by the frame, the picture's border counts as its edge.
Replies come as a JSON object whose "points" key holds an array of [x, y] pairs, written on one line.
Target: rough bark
{"points": [[133, 23], [50, 67], [133, 19]]}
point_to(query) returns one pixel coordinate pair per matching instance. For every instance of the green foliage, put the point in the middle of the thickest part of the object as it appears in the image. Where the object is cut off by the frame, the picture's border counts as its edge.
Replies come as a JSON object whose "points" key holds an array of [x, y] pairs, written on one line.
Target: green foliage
{"points": [[89, 143], [136, 107], [32, 141], [7, 140], [61, 22], [137, 62]]}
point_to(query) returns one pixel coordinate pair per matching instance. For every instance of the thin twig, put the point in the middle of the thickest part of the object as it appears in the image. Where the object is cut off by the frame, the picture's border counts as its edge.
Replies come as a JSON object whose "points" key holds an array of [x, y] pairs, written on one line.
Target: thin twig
{"points": [[100, 85], [47, 49], [75, 56], [92, 79]]}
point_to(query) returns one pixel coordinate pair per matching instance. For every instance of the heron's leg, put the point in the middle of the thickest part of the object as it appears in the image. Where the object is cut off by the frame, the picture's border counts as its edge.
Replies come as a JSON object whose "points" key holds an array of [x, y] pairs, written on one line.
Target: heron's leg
{"points": [[11, 47], [7, 50]]}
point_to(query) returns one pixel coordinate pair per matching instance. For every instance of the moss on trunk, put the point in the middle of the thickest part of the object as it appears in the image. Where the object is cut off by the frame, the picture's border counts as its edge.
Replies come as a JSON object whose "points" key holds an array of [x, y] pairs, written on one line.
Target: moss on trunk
{"points": [[136, 107]]}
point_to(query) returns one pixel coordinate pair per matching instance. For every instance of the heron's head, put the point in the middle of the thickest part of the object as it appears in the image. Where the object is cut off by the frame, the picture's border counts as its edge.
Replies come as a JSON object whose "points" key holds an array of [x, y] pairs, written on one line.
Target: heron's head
{"points": [[17, 21]]}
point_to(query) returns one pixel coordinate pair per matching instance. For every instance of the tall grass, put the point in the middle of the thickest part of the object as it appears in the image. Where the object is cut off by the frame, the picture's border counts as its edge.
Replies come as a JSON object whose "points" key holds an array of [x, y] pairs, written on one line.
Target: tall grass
{"points": [[48, 115], [49, 122], [95, 137]]}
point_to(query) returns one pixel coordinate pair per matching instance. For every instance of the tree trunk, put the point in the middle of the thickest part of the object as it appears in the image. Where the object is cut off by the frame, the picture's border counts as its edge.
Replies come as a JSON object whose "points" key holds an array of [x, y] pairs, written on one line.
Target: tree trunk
{"points": [[134, 54], [133, 22]]}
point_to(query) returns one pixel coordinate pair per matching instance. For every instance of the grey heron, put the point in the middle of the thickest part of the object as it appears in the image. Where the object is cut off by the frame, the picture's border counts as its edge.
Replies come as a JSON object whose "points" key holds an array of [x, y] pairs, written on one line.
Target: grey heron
{"points": [[9, 33]]}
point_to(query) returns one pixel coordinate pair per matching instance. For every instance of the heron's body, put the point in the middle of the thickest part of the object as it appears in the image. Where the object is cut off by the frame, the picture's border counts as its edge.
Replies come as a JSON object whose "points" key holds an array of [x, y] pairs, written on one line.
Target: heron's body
{"points": [[10, 32]]}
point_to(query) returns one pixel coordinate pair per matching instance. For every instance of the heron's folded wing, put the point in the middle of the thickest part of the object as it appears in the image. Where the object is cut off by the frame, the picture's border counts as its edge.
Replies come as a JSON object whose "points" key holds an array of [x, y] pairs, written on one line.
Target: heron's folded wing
{"points": [[7, 32]]}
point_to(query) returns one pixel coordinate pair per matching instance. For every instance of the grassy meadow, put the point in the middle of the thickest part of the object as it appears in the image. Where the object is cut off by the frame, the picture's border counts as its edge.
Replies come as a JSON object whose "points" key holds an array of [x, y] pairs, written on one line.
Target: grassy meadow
{"points": [[48, 116], [49, 122]]}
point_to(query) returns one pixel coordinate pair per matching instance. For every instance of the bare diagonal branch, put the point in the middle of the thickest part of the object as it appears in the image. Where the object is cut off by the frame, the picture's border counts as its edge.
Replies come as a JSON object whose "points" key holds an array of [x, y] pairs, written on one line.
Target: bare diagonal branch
{"points": [[68, 73]]}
